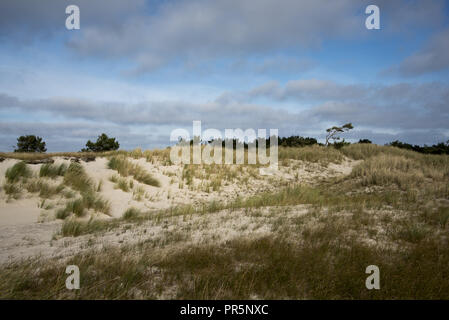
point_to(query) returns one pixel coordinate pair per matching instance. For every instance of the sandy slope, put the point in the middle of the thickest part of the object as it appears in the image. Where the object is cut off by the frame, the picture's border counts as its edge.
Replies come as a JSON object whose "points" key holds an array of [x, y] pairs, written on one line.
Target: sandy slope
{"points": [[22, 236]]}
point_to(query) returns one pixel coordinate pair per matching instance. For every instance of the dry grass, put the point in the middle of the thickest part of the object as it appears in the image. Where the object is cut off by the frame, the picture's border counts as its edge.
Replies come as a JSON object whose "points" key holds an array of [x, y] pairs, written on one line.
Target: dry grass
{"points": [[391, 211], [317, 154], [27, 156]]}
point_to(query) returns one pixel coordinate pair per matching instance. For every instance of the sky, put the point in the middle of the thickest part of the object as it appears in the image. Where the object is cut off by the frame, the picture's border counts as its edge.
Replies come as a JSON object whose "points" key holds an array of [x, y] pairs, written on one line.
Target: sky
{"points": [[137, 69]]}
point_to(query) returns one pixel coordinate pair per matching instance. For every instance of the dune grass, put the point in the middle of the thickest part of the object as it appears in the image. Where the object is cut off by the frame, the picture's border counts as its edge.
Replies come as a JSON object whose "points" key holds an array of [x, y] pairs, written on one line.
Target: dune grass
{"points": [[126, 168], [52, 171], [44, 189], [12, 190], [391, 211], [27, 156], [18, 171], [77, 179], [263, 268], [316, 154]]}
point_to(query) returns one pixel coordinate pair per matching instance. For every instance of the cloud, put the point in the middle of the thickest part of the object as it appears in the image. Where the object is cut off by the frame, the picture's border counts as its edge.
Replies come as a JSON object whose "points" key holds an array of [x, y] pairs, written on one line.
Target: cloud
{"points": [[153, 34], [276, 64], [73, 135], [21, 19], [404, 109], [432, 58]]}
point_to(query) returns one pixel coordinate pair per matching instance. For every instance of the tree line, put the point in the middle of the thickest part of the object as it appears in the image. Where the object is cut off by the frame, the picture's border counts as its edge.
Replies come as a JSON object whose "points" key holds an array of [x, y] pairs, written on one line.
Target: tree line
{"points": [[32, 143]]}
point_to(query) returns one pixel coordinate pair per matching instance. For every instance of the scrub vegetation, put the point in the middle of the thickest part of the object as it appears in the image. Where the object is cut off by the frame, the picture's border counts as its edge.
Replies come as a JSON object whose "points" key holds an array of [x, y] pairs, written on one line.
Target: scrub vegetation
{"points": [[301, 241]]}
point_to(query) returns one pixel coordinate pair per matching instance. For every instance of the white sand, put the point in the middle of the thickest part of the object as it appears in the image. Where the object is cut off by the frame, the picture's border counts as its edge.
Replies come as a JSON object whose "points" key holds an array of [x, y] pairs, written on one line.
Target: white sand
{"points": [[21, 235]]}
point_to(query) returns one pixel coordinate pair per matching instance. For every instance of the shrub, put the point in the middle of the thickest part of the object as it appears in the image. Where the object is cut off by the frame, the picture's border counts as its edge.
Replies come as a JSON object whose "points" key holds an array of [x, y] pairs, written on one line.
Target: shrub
{"points": [[103, 143], [440, 148], [296, 141], [364, 141]]}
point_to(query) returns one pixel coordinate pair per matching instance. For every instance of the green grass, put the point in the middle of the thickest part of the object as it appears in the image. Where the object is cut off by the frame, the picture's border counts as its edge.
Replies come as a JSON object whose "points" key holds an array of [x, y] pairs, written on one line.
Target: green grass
{"points": [[77, 179], [316, 154], [392, 211], [80, 206], [121, 183], [75, 228], [12, 190], [44, 189], [265, 268], [131, 213], [52, 171], [17, 171], [126, 168]]}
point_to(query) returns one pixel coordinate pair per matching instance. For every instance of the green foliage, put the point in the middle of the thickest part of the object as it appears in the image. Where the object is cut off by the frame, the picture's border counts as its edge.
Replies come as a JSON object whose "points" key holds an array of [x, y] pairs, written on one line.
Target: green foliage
{"points": [[340, 144], [30, 143], [364, 141], [103, 143], [440, 148], [333, 133], [296, 141]]}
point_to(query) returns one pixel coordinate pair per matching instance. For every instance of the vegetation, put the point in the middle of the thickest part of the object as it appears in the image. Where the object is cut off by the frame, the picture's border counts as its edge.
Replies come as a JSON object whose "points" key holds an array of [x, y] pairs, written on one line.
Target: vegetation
{"points": [[103, 143], [440, 148], [316, 240], [30, 143], [17, 171], [364, 141], [77, 179], [333, 133], [126, 168], [52, 171]]}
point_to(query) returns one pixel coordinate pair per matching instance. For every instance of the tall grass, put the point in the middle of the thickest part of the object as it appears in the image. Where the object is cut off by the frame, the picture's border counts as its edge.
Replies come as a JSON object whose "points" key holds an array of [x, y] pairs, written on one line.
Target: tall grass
{"points": [[77, 179], [45, 189], [18, 171], [27, 156], [263, 268], [126, 168], [391, 211], [52, 171], [318, 154]]}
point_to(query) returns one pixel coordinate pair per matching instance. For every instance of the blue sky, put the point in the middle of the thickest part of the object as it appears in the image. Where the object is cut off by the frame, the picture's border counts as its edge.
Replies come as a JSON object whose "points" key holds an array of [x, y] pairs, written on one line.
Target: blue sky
{"points": [[139, 69]]}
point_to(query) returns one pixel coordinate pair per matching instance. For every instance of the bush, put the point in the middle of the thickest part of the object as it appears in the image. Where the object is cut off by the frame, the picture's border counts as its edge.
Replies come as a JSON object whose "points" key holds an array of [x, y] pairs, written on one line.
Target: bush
{"points": [[30, 143], [440, 148], [103, 143], [364, 141], [296, 141]]}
